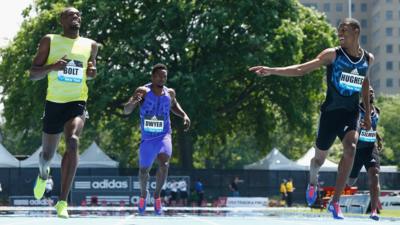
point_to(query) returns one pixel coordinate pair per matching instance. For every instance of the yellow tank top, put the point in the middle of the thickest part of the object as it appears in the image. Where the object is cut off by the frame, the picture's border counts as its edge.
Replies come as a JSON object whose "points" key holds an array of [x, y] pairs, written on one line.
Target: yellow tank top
{"points": [[68, 85], [282, 188], [289, 186]]}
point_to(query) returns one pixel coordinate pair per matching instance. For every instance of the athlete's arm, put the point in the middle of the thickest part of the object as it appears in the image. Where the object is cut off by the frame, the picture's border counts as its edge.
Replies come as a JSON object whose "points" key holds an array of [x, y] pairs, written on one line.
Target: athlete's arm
{"points": [[91, 70], [177, 109], [378, 136], [326, 57], [379, 142], [39, 70], [366, 124], [133, 101]]}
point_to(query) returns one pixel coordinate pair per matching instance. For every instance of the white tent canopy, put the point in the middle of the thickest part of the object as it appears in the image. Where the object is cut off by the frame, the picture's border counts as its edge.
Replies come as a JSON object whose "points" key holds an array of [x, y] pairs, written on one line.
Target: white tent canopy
{"points": [[94, 157], [275, 160], [331, 166], [305, 161], [388, 169], [33, 160], [6, 159]]}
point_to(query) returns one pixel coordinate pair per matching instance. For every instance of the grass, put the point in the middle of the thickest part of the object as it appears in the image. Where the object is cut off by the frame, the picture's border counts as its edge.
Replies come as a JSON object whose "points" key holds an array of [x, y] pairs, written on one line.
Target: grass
{"points": [[390, 213]]}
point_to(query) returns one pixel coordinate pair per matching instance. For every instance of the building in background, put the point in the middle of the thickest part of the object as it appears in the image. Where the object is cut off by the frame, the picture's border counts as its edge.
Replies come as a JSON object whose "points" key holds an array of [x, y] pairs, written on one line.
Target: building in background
{"points": [[380, 34]]}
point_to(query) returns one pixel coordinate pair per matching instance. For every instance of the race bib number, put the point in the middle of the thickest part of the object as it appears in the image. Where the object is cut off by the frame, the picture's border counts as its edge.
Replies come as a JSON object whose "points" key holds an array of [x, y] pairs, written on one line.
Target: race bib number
{"points": [[73, 72], [351, 81], [153, 124], [368, 136]]}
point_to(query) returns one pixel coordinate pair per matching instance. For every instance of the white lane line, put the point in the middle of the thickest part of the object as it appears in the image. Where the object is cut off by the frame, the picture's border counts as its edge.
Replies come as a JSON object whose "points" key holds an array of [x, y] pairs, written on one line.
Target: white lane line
{"points": [[127, 219], [203, 220], [24, 221]]}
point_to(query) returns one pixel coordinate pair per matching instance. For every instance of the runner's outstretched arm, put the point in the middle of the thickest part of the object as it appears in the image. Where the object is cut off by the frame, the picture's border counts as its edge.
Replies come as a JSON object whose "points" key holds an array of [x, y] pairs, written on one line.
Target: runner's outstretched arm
{"points": [[324, 58]]}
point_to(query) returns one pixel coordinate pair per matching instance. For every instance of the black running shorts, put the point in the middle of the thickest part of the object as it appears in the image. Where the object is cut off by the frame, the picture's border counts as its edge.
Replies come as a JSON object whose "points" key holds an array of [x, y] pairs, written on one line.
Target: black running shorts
{"points": [[368, 157], [335, 123], [57, 114]]}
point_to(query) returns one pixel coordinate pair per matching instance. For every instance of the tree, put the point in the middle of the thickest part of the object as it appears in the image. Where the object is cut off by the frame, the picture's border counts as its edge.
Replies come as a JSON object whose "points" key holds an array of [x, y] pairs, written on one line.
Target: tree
{"points": [[389, 127], [207, 46]]}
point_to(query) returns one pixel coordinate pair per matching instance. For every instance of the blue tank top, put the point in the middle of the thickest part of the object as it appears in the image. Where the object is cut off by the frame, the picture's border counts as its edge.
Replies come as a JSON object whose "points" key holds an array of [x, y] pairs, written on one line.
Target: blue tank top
{"points": [[368, 138], [344, 80], [154, 114]]}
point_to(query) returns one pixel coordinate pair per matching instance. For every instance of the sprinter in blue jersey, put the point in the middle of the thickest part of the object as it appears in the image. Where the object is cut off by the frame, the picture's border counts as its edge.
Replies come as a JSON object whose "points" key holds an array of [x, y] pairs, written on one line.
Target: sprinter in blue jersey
{"points": [[347, 69], [367, 154], [156, 101]]}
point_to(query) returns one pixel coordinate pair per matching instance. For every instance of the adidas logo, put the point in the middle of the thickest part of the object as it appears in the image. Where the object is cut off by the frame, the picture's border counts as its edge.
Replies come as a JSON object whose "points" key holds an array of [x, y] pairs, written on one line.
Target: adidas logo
{"points": [[355, 72], [154, 118], [72, 63], [373, 160]]}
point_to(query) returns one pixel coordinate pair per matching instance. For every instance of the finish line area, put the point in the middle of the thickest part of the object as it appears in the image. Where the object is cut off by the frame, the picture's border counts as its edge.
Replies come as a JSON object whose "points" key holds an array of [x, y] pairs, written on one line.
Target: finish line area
{"points": [[180, 216]]}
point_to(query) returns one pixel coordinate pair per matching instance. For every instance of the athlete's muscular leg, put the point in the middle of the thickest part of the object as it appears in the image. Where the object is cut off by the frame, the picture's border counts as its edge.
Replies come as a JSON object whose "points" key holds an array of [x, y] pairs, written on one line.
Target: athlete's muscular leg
{"points": [[72, 130], [374, 187], [316, 163], [162, 173], [351, 181], [346, 162], [143, 178], [49, 147]]}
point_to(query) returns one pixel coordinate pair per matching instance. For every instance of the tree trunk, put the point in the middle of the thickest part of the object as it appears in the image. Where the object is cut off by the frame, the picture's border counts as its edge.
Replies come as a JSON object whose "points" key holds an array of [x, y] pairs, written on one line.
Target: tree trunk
{"points": [[185, 146]]}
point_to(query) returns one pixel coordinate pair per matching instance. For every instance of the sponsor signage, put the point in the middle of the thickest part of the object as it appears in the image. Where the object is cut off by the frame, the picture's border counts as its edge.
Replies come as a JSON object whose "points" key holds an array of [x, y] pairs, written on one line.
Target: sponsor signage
{"points": [[30, 201], [103, 184], [178, 183], [390, 202], [354, 203], [118, 190], [247, 202], [105, 199]]}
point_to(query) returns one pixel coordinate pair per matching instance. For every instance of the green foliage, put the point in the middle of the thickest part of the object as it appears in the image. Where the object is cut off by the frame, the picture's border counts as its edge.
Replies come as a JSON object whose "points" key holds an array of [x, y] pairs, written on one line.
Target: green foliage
{"points": [[208, 47], [389, 127], [23, 100]]}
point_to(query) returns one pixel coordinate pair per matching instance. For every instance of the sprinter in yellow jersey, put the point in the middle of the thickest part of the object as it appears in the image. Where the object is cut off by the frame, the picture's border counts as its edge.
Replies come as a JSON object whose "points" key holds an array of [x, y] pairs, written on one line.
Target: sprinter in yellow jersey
{"points": [[67, 60]]}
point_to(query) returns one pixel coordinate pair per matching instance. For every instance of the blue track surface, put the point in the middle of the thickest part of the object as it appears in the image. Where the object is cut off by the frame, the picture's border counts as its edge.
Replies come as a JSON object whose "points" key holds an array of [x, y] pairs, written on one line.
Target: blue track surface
{"points": [[40, 218]]}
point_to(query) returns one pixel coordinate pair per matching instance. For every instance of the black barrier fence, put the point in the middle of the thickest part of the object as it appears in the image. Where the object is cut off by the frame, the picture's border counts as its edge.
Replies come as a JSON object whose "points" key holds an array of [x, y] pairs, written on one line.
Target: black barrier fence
{"points": [[256, 183]]}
